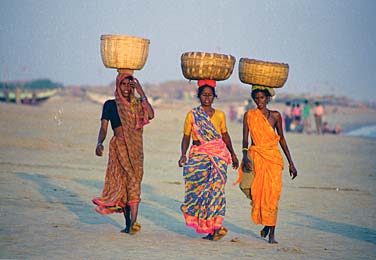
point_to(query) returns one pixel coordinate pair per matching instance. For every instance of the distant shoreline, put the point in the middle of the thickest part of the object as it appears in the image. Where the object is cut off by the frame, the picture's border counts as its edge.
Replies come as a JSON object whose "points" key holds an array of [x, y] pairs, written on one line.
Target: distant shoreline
{"points": [[367, 131]]}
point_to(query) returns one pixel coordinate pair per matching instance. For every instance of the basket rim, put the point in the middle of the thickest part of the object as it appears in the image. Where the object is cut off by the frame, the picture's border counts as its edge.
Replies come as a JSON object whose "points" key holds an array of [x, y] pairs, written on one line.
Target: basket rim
{"points": [[248, 60], [122, 37], [210, 53]]}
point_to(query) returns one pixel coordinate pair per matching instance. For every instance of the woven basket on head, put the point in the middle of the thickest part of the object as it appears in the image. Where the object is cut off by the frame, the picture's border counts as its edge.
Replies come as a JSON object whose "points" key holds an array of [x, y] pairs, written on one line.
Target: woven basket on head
{"points": [[202, 65], [256, 72], [124, 52]]}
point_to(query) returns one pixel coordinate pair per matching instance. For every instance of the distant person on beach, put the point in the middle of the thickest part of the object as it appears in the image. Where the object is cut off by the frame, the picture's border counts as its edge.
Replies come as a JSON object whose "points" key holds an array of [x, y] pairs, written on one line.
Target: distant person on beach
{"points": [[26, 100], [205, 169], [127, 114], [297, 113], [239, 112], [287, 114], [6, 93], [232, 113], [34, 98], [17, 94], [326, 129], [264, 128], [307, 117], [318, 113], [296, 124]]}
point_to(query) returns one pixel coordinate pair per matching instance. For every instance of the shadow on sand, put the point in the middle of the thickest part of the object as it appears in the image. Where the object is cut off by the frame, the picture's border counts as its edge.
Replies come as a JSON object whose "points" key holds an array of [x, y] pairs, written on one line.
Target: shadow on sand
{"points": [[164, 211], [174, 206], [347, 230], [57, 195]]}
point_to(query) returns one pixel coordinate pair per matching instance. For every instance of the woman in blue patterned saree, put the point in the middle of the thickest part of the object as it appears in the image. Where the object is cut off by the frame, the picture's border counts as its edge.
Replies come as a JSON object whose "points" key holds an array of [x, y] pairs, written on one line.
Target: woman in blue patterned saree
{"points": [[205, 172]]}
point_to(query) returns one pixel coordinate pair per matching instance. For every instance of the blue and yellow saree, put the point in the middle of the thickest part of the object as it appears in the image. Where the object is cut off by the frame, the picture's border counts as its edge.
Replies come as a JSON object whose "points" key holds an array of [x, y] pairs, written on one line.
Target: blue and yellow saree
{"points": [[205, 176]]}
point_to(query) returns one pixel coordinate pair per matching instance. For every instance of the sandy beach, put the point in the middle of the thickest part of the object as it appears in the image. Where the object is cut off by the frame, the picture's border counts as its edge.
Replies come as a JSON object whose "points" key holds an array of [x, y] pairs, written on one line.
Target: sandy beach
{"points": [[49, 173]]}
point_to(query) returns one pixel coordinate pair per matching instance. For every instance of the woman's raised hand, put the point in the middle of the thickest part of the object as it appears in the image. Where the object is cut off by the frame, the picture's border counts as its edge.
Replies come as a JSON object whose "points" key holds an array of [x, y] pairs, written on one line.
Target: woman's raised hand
{"points": [[136, 84]]}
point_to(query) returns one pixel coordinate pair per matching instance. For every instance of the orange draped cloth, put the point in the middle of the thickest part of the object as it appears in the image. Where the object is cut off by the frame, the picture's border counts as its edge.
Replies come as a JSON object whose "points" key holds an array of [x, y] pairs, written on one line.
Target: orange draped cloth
{"points": [[268, 165]]}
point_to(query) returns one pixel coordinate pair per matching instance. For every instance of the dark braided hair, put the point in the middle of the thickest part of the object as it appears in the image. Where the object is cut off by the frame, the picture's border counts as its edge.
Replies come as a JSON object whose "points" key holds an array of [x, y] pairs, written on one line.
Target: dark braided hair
{"points": [[265, 91]]}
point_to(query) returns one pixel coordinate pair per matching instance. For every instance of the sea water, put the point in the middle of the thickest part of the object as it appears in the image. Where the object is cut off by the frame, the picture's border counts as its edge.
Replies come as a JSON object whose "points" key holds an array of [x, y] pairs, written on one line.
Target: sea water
{"points": [[364, 131]]}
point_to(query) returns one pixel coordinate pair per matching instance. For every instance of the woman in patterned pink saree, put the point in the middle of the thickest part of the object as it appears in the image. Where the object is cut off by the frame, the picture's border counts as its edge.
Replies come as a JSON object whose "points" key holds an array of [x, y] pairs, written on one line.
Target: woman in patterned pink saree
{"points": [[205, 172]]}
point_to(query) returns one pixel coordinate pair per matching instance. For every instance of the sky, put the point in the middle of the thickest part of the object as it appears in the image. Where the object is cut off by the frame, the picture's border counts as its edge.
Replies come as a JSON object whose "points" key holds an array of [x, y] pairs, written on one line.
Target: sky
{"points": [[330, 45]]}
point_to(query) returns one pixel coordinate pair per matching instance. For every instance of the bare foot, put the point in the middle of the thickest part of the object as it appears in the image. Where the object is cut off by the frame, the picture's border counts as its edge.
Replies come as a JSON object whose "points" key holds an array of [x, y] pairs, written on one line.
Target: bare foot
{"points": [[126, 212], [271, 236], [272, 241], [125, 230], [264, 232], [208, 237]]}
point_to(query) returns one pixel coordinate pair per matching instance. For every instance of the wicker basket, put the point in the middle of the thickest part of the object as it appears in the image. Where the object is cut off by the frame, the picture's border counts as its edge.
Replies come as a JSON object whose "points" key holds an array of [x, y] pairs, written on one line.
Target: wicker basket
{"points": [[202, 65], [256, 72], [124, 52]]}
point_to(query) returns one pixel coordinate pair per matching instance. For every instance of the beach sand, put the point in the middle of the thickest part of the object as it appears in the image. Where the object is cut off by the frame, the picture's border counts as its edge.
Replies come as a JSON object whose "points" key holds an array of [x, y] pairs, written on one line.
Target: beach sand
{"points": [[49, 174]]}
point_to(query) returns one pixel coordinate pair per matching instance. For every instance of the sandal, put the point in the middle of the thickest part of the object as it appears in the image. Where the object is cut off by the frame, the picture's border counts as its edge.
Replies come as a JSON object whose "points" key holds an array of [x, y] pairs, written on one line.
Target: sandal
{"points": [[136, 227], [220, 233]]}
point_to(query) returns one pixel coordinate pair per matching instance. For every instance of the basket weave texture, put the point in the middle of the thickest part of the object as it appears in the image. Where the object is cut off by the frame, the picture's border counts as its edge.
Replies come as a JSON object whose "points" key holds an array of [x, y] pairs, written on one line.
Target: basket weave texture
{"points": [[257, 72], [124, 52], [203, 65]]}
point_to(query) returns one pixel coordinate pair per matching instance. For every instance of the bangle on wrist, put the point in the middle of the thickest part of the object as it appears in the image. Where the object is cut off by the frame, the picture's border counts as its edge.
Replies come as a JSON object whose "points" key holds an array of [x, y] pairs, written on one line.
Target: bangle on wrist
{"points": [[144, 98], [245, 149]]}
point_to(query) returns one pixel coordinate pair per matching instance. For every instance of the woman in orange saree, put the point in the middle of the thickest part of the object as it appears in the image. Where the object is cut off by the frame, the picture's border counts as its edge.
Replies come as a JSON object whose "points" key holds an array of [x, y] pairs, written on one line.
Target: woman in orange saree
{"points": [[127, 114], [264, 127]]}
